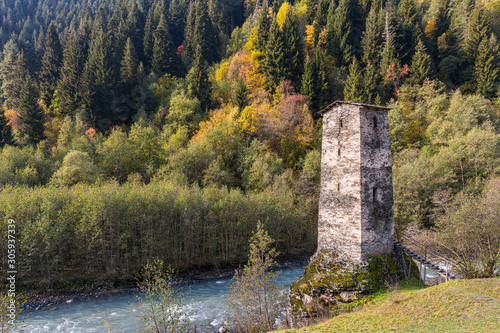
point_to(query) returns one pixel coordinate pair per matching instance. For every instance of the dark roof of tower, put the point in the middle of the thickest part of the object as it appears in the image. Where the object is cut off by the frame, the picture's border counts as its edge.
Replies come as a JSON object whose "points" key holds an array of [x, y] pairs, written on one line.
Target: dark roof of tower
{"points": [[354, 103]]}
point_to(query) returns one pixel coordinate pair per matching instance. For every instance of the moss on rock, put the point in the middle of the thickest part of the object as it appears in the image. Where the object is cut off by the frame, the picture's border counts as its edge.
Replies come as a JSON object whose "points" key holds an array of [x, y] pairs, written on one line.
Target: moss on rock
{"points": [[330, 282]]}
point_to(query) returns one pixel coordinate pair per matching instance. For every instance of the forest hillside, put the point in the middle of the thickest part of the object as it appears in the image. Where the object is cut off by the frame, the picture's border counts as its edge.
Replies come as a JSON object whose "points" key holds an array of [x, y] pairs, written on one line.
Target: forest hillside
{"points": [[140, 129]]}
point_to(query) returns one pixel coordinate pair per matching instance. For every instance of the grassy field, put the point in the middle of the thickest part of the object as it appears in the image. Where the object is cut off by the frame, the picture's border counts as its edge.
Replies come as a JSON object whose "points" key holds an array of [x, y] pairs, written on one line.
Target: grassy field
{"points": [[456, 306]]}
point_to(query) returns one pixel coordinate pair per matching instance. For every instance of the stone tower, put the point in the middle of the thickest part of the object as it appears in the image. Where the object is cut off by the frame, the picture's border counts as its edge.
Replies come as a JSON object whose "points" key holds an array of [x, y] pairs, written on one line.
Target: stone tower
{"points": [[356, 206]]}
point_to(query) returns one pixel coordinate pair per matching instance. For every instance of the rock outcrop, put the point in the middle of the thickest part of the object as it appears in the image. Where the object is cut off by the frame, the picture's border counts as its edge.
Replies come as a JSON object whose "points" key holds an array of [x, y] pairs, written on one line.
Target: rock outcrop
{"points": [[330, 282]]}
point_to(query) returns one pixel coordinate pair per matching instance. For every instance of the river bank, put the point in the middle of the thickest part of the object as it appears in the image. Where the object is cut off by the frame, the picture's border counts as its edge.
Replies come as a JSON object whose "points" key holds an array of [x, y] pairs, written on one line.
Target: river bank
{"points": [[35, 300]]}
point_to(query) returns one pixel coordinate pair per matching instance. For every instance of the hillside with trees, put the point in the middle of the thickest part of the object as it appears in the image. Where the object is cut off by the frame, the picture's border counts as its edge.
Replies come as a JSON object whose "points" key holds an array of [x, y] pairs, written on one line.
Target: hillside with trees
{"points": [[139, 129]]}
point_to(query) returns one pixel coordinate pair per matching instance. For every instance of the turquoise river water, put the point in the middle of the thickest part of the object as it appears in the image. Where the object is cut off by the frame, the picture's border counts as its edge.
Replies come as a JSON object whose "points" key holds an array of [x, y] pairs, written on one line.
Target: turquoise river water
{"points": [[205, 308]]}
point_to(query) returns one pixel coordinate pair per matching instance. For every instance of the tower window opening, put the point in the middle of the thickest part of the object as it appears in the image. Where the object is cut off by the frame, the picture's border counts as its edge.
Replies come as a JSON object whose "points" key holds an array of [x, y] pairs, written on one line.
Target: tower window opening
{"points": [[375, 123], [339, 152], [338, 187], [341, 123], [376, 194]]}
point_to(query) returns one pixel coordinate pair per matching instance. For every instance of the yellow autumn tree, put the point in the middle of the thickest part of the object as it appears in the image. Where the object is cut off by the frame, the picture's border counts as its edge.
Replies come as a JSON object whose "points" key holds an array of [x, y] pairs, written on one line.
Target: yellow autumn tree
{"points": [[289, 127], [221, 72], [280, 17], [221, 132], [430, 29], [246, 67], [310, 36], [250, 123]]}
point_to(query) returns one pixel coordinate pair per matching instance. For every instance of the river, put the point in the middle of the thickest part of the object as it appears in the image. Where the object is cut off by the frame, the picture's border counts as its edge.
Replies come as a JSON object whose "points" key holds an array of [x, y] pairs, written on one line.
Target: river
{"points": [[205, 308]]}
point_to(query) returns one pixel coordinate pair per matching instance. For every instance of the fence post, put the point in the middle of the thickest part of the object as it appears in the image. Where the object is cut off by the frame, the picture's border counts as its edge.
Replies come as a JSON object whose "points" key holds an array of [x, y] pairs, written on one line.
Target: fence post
{"points": [[446, 263], [425, 267]]}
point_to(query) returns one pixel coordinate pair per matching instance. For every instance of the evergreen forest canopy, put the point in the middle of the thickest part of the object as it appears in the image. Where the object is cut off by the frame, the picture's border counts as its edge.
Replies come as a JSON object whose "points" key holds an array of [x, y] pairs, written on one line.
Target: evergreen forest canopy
{"points": [[212, 106]]}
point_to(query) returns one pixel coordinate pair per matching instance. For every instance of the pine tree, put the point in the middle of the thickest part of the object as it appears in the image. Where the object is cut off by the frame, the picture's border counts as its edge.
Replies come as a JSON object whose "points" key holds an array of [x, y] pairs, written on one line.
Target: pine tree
{"points": [[407, 12], [486, 67], [371, 41], [294, 56], [353, 89], [312, 7], [148, 40], [200, 31], [274, 62], [478, 31], [263, 27], [165, 57], [16, 81], [68, 86], [314, 81], [339, 32], [30, 113], [407, 30], [369, 84], [388, 52], [129, 63], [308, 86], [51, 64], [8, 73], [176, 17], [6, 137], [240, 95], [201, 87], [99, 79], [420, 64], [189, 46], [320, 18]]}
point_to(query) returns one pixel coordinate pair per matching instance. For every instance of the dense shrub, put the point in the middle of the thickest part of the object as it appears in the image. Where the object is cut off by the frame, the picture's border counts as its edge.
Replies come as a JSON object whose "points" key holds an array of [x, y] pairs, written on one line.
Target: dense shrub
{"points": [[108, 231]]}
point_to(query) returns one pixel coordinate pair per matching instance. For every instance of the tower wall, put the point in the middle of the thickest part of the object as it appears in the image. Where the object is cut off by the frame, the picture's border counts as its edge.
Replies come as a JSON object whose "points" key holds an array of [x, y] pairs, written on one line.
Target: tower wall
{"points": [[340, 195], [356, 215], [377, 204]]}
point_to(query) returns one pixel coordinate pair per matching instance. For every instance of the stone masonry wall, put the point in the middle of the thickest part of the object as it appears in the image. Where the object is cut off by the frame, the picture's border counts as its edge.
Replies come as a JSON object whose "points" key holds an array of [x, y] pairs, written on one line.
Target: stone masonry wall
{"points": [[340, 196], [356, 213], [377, 206]]}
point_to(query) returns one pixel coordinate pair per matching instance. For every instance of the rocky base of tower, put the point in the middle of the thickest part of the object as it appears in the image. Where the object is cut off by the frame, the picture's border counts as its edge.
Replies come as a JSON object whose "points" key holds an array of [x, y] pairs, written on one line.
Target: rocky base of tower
{"points": [[330, 283]]}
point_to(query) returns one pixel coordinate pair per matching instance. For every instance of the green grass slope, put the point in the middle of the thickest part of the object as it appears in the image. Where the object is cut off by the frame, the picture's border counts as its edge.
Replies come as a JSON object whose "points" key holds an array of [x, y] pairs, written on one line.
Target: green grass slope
{"points": [[456, 306]]}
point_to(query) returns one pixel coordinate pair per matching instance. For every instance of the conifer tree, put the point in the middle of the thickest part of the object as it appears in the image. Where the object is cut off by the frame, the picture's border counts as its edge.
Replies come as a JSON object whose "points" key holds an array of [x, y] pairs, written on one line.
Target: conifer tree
{"points": [[68, 86], [6, 137], [128, 69], [294, 56], [420, 65], [20, 72], [477, 31], [51, 64], [339, 31], [486, 67], [176, 17], [353, 89], [388, 52], [407, 30], [148, 40], [263, 26], [99, 79], [240, 96], [189, 46], [30, 113], [165, 57], [8, 72], [201, 87], [407, 12], [200, 31], [369, 84], [274, 61], [308, 78], [312, 7], [134, 27], [320, 18], [314, 81], [371, 40]]}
